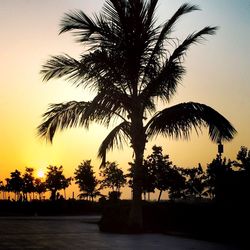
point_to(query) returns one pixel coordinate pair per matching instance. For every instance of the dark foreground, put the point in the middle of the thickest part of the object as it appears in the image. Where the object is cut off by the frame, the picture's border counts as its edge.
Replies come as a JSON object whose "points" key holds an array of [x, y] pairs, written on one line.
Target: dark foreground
{"points": [[81, 232]]}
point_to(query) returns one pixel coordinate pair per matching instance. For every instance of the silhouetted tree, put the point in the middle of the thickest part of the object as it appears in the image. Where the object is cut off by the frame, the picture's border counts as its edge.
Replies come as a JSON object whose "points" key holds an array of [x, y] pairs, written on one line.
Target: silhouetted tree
{"points": [[55, 180], [113, 177], [65, 184], [15, 183], [219, 173], [166, 176], [195, 183], [86, 180], [242, 176], [39, 187], [2, 188], [244, 157], [148, 178], [176, 183], [131, 64], [28, 182], [7, 187]]}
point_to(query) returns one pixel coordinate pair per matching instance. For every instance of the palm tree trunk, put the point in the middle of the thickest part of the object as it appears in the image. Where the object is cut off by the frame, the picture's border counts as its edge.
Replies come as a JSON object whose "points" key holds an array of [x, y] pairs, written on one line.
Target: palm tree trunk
{"points": [[138, 144], [135, 216], [159, 197], [53, 195]]}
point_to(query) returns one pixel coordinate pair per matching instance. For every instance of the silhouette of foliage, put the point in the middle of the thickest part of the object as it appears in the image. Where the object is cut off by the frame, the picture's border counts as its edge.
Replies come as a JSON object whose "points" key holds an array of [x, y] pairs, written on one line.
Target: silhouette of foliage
{"points": [[2, 189], [130, 65], [244, 157], [114, 178], [218, 172], [39, 187], [86, 180], [148, 178], [159, 173], [162, 169], [15, 183], [28, 182], [229, 181], [55, 180], [195, 183]]}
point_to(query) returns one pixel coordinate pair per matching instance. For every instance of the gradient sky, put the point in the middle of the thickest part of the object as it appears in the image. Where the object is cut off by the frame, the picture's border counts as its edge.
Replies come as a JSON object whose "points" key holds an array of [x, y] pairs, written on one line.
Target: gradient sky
{"points": [[218, 73]]}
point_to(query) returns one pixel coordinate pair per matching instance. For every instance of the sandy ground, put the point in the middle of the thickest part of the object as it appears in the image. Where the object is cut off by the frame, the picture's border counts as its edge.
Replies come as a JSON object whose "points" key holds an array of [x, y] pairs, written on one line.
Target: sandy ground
{"points": [[81, 232]]}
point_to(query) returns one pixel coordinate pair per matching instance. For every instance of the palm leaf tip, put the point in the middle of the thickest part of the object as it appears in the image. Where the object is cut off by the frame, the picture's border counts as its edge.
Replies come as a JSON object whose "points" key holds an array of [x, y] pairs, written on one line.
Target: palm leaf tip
{"points": [[220, 129], [186, 8], [45, 133], [197, 37], [46, 130], [208, 30]]}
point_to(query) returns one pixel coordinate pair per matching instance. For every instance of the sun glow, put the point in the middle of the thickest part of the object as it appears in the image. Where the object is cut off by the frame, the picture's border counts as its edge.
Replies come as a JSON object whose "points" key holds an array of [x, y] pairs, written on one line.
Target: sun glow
{"points": [[40, 173]]}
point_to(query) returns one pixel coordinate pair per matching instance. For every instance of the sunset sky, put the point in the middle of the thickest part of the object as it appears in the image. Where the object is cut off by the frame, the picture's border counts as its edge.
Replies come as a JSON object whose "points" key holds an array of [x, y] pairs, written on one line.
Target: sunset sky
{"points": [[218, 74]]}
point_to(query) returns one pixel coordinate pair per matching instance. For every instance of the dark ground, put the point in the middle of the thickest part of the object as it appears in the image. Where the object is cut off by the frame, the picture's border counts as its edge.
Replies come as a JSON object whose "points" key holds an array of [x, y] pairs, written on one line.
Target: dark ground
{"points": [[81, 232], [69, 225]]}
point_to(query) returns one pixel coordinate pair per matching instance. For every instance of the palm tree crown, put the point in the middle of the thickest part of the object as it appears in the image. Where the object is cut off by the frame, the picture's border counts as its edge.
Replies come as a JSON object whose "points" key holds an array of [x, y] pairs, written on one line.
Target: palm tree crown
{"points": [[130, 64]]}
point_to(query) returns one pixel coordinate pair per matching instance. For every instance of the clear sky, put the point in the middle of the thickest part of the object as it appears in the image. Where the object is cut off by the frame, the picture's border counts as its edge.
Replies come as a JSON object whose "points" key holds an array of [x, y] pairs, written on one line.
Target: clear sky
{"points": [[218, 74]]}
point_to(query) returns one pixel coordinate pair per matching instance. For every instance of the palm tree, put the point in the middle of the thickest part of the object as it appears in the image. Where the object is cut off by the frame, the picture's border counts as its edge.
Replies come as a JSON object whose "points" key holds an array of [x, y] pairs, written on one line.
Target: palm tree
{"points": [[2, 189], [28, 183], [15, 183], [130, 63], [39, 187]]}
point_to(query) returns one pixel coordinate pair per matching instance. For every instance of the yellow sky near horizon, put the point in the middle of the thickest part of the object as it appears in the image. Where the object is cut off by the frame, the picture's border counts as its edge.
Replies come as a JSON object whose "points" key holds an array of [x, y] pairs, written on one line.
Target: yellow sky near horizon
{"points": [[217, 75]]}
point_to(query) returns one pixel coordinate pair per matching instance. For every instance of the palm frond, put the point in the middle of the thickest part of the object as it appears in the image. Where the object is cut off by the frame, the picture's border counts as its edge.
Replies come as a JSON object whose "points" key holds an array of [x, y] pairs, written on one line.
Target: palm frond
{"points": [[114, 139], [60, 66], [132, 33], [163, 83], [116, 11], [168, 26], [61, 116], [179, 120], [158, 50], [194, 38], [82, 25], [89, 71], [108, 75], [104, 107]]}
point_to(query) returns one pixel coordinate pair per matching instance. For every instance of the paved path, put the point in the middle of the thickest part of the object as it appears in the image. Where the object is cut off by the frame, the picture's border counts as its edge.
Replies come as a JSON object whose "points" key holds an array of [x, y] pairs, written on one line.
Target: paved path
{"points": [[81, 233]]}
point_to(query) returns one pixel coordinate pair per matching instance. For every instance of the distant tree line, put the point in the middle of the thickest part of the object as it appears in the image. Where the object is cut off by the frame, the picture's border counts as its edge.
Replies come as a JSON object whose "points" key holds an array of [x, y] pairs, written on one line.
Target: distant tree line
{"points": [[24, 187], [222, 179]]}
